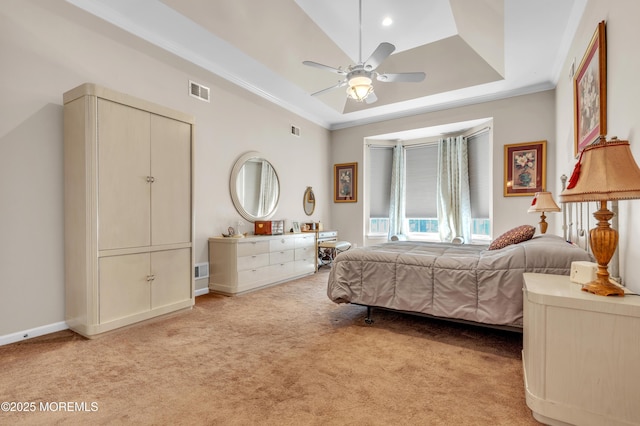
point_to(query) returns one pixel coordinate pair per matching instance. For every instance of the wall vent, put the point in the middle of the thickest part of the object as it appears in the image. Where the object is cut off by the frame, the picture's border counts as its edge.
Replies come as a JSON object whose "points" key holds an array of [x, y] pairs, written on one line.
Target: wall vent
{"points": [[201, 270], [199, 91], [295, 131]]}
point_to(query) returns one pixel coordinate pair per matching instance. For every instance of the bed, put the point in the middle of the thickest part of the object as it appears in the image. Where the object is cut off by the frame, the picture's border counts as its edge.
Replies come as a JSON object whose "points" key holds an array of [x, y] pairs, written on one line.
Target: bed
{"points": [[460, 282]]}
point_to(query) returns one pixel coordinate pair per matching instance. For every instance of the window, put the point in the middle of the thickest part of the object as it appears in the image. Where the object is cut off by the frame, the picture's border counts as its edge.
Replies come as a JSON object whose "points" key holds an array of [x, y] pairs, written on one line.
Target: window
{"points": [[379, 225], [381, 159], [423, 225], [479, 185], [421, 186]]}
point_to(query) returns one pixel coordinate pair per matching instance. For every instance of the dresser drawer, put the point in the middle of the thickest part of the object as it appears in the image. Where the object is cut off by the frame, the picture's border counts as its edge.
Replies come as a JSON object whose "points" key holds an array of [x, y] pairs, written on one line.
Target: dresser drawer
{"points": [[305, 253], [251, 276], [253, 247], [281, 256], [305, 241], [304, 266], [253, 261], [327, 235], [280, 244], [281, 270]]}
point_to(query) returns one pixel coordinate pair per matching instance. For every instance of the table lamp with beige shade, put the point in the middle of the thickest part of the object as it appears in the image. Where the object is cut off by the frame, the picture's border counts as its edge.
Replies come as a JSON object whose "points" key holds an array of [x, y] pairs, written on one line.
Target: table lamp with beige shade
{"points": [[543, 202], [605, 171]]}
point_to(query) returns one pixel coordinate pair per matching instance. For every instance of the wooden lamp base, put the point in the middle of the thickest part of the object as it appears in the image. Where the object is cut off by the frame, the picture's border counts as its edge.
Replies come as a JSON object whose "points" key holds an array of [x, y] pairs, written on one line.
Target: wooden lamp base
{"points": [[543, 224], [603, 288], [604, 241]]}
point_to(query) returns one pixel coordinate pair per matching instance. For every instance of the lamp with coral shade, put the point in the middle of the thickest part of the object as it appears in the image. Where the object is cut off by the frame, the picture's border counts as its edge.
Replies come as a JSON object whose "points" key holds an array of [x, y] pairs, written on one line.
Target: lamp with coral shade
{"points": [[543, 202], [605, 171]]}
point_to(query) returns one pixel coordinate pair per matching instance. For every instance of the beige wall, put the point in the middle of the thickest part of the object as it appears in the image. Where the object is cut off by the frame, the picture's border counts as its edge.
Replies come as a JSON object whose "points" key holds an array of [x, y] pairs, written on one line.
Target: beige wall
{"points": [[49, 47], [623, 109], [519, 119]]}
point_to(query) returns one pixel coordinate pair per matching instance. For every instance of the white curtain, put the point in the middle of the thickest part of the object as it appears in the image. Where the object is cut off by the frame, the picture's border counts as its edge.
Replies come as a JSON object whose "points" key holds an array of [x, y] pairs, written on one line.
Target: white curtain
{"points": [[268, 189], [454, 206], [397, 197]]}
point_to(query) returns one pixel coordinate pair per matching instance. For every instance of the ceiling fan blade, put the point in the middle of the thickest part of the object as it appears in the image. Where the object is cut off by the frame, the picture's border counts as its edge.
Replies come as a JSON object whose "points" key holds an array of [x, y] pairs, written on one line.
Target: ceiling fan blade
{"points": [[402, 77], [371, 98], [381, 53], [325, 67], [340, 84]]}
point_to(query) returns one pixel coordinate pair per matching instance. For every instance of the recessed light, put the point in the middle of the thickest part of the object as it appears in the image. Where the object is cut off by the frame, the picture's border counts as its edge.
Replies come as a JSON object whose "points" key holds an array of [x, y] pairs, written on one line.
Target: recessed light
{"points": [[387, 21]]}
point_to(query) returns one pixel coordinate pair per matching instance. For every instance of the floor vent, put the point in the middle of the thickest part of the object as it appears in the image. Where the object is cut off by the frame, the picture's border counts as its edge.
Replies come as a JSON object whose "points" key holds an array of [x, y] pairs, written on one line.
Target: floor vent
{"points": [[295, 131], [201, 270], [199, 91]]}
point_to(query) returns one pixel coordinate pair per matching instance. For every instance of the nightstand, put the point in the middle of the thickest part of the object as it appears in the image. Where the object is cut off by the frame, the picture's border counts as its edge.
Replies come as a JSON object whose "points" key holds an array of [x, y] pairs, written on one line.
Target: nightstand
{"points": [[581, 354]]}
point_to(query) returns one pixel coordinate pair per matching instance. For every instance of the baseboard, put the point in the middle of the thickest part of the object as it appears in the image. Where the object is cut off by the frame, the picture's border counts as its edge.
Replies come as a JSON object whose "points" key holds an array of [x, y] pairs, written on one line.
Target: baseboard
{"points": [[201, 292], [52, 328], [33, 332]]}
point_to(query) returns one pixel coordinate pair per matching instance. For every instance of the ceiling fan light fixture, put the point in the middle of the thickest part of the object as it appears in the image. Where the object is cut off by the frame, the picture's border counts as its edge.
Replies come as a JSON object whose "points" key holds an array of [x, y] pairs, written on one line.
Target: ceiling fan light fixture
{"points": [[359, 88], [359, 76]]}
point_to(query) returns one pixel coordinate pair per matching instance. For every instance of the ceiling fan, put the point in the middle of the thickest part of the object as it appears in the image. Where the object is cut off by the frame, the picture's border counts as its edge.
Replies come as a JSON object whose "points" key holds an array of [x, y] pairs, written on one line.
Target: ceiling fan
{"points": [[359, 76]]}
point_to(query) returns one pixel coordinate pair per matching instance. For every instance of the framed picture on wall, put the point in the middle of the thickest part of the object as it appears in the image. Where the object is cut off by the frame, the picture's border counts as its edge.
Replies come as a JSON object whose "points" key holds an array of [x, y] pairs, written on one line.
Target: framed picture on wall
{"points": [[345, 183], [525, 168], [590, 92]]}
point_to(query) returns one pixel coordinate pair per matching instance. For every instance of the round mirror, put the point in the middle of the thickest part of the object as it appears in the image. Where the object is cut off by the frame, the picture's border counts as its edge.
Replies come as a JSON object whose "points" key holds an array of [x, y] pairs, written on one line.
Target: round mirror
{"points": [[254, 187], [309, 201]]}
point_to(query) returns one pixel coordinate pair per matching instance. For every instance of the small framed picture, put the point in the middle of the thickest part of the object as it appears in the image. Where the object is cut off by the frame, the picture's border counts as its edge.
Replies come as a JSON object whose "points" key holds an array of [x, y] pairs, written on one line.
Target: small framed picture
{"points": [[345, 183], [296, 227], [590, 92], [525, 168]]}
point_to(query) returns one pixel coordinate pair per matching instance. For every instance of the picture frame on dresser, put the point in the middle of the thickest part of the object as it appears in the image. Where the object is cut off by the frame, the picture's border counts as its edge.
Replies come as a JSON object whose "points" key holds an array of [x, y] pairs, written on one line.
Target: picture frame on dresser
{"points": [[296, 227], [590, 92]]}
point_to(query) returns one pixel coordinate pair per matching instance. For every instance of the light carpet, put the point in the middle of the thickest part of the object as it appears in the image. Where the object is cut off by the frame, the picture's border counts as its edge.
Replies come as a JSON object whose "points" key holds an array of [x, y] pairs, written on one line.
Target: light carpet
{"points": [[284, 355]]}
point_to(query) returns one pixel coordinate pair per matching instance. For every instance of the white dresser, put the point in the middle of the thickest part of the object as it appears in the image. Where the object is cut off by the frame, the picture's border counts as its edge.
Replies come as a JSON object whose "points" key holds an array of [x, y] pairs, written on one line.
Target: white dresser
{"points": [[239, 265], [581, 354]]}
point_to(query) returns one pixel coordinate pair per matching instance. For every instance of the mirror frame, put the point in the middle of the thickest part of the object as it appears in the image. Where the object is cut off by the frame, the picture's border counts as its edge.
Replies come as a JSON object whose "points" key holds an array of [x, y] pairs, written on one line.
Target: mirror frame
{"points": [[234, 190], [308, 191]]}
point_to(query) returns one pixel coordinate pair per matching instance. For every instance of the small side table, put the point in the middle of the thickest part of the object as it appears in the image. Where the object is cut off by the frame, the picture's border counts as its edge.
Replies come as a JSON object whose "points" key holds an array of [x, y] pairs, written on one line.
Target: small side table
{"points": [[328, 250], [581, 354]]}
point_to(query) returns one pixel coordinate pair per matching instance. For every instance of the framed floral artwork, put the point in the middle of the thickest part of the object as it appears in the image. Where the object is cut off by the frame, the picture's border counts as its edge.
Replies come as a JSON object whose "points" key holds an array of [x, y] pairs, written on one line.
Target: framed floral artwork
{"points": [[590, 92], [345, 183], [525, 168]]}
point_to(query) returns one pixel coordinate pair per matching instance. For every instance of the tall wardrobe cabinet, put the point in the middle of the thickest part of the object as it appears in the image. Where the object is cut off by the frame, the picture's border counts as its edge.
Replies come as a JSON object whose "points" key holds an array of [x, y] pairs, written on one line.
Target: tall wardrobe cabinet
{"points": [[128, 210]]}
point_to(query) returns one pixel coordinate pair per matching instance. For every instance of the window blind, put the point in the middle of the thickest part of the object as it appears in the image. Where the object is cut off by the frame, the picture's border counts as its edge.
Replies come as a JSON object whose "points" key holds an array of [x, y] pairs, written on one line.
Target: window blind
{"points": [[381, 159], [479, 174], [421, 181]]}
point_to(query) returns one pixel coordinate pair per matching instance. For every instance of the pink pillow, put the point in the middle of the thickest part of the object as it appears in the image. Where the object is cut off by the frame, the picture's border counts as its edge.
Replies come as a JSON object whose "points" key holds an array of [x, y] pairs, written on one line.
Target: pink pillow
{"points": [[513, 236]]}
